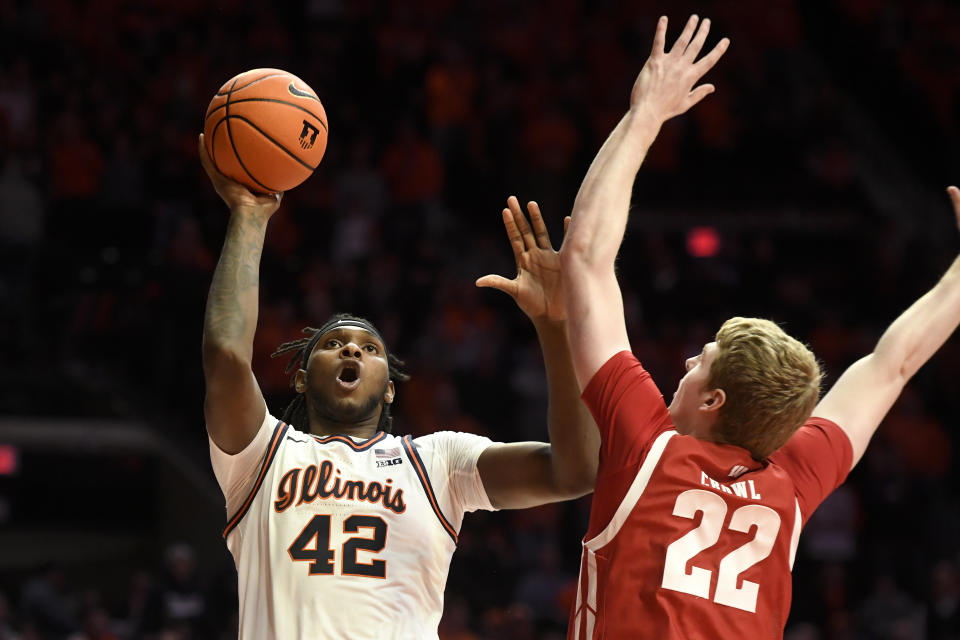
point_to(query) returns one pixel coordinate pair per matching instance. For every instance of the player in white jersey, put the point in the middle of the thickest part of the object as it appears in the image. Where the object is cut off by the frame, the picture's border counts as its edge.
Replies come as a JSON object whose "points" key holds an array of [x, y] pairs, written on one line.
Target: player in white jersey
{"points": [[338, 528]]}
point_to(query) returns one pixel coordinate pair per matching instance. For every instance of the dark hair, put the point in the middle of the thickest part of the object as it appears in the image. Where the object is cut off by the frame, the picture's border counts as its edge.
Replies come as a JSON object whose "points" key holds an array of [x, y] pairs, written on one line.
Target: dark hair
{"points": [[296, 412]]}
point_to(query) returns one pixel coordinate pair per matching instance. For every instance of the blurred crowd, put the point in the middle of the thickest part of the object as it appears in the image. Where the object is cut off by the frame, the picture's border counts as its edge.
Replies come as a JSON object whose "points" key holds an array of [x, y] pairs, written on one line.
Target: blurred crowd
{"points": [[438, 110]]}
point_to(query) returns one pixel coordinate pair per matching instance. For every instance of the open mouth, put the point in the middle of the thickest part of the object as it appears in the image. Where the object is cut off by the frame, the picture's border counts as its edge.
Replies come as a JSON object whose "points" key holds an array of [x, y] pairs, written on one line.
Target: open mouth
{"points": [[349, 375]]}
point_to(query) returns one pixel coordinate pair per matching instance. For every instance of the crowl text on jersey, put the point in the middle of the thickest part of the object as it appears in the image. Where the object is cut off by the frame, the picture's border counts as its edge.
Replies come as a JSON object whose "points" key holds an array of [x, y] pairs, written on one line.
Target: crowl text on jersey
{"points": [[740, 489], [325, 482]]}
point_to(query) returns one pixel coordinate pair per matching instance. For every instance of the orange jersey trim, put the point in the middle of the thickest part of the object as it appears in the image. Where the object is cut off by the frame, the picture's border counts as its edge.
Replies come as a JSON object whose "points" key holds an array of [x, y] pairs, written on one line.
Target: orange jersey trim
{"points": [[421, 470], [278, 433], [363, 446]]}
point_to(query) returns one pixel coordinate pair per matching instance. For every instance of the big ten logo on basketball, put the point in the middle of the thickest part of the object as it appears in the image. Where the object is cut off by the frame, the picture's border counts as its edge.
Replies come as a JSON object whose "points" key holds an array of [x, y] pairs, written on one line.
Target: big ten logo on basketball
{"points": [[308, 135]]}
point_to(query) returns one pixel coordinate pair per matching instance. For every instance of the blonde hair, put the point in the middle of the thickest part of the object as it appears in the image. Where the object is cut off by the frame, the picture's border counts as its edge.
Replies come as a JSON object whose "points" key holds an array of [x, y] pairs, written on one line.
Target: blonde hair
{"points": [[771, 382]]}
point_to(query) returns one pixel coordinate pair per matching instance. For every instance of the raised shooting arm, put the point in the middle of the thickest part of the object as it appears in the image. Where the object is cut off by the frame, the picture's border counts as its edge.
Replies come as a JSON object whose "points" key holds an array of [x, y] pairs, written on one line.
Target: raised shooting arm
{"points": [[233, 406]]}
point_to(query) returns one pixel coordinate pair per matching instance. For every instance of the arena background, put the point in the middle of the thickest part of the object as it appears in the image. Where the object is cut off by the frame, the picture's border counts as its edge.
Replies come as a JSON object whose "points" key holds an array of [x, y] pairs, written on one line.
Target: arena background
{"points": [[807, 189]]}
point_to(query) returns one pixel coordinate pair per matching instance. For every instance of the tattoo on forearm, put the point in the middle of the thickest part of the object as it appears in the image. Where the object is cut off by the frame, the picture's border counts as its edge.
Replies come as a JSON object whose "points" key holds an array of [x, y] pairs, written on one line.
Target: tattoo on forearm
{"points": [[232, 302]]}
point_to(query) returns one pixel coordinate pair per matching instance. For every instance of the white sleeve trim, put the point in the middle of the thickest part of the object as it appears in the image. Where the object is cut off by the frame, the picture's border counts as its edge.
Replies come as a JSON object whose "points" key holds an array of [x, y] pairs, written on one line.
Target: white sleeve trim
{"points": [[455, 472], [237, 472], [475, 452]]}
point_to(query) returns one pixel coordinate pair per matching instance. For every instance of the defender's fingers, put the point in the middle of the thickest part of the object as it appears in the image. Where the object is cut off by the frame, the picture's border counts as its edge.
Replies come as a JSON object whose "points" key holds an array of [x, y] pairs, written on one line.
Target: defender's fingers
{"points": [[955, 199], [708, 61], [694, 49], [539, 227], [566, 225], [513, 234], [529, 241], [699, 94], [681, 44], [660, 37]]}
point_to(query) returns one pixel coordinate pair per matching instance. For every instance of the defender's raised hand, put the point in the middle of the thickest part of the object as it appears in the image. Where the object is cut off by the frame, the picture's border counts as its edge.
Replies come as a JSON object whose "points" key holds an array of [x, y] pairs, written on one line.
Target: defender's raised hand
{"points": [[536, 287], [665, 86], [234, 194], [865, 392]]}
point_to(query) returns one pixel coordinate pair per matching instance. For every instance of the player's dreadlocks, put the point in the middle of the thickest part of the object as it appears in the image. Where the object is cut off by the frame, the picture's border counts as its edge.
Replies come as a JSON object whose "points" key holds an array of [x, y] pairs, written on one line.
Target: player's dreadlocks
{"points": [[296, 412]]}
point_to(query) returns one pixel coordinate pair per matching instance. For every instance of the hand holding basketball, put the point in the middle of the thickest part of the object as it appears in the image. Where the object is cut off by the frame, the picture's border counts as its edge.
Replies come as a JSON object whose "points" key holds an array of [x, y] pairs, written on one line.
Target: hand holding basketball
{"points": [[234, 194], [266, 129]]}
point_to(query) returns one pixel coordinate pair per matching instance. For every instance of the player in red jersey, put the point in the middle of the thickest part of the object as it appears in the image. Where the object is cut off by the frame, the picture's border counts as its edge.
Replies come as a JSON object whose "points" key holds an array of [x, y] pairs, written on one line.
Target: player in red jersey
{"points": [[699, 505]]}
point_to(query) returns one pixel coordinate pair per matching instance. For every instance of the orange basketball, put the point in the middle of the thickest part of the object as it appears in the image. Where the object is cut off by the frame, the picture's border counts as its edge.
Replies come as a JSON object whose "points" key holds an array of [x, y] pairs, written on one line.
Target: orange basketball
{"points": [[266, 129]]}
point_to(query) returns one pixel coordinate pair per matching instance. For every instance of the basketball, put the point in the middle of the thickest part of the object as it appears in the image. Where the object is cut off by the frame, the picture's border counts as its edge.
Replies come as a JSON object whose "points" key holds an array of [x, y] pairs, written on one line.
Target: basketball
{"points": [[266, 129]]}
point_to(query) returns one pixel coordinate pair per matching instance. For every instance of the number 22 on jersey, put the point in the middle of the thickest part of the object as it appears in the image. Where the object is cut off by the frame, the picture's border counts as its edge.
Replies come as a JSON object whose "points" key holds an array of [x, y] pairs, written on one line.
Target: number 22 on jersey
{"points": [[313, 545], [681, 550]]}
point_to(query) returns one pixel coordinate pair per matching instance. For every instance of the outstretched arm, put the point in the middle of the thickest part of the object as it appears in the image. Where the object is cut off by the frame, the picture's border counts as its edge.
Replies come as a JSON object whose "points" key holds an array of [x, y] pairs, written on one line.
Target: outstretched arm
{"points": [[526, 474], [664, 88], [234, 407], [865, 392]]}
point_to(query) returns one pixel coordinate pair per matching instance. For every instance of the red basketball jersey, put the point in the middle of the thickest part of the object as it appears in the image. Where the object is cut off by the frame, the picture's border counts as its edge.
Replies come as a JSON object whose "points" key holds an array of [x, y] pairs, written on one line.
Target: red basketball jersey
{"points": [[690, 539]]}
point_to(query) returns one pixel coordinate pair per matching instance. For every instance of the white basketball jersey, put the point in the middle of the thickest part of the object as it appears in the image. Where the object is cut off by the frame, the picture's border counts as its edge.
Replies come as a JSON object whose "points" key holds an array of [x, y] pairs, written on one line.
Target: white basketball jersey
{"points": [[346, 539]]}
